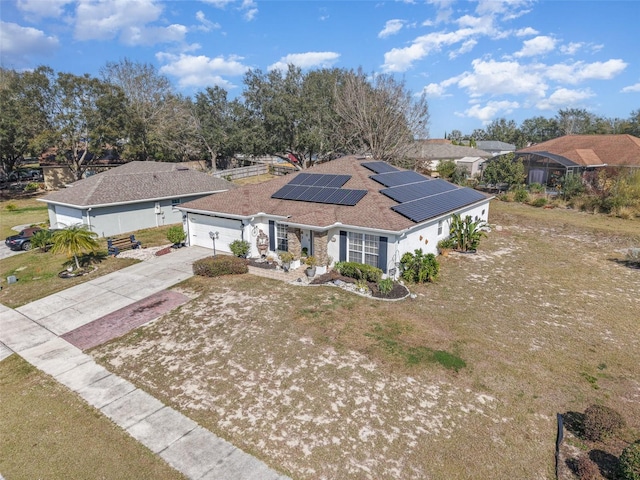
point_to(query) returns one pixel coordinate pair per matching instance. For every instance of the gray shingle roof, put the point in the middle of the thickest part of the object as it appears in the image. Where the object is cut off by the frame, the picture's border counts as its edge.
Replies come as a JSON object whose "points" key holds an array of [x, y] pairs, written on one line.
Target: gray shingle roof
{"points": [[136, 182], [372, 211], [495, 145], [439, 151]]}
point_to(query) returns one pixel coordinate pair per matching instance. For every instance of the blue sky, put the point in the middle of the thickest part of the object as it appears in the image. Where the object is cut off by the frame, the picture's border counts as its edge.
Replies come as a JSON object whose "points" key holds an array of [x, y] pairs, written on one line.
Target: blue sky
{"points": [[476, 61]]}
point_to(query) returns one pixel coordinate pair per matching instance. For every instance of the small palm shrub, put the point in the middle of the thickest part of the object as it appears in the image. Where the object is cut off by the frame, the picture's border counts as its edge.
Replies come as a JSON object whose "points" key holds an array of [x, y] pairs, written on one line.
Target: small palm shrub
{"points": [[630, 462], [587, 469], [42, 239], [467, 233], [536, 188], [385, 286], [520, 195], [419, 268], [539, 202], [359, 271], [220, 265], [601, 422]]}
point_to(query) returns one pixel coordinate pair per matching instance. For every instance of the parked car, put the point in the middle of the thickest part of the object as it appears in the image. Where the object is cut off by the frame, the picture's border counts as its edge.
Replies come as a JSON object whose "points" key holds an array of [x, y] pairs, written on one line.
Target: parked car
{"points": [[25, 175], [21, 241]]}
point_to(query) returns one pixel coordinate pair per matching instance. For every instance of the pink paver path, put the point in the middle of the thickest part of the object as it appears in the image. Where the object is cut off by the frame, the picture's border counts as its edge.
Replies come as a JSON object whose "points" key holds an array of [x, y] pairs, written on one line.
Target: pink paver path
{"points": [[124, 320]]}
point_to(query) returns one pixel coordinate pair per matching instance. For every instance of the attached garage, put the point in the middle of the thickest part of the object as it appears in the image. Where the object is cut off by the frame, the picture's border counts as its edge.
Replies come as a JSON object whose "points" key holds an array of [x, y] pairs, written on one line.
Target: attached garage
{"points": [[65, 216], [199, 226]]}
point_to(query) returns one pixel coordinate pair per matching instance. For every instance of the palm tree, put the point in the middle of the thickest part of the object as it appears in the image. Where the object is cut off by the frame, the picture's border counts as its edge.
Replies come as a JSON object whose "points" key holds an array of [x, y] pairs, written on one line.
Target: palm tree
{"points": [[74, 240]]}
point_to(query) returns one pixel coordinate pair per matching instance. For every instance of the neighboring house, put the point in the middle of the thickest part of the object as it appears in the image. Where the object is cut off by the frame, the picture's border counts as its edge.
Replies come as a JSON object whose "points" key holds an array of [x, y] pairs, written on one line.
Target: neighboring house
{"points": [[472, 164], [431, 152], [547, 162], [347, 209], [130, 197], [495, 147]]}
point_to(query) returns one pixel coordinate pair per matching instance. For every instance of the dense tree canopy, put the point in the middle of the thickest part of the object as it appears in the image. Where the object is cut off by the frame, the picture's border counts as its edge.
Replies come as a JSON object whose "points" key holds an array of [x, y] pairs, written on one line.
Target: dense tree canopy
{"points": [[302, 117]]}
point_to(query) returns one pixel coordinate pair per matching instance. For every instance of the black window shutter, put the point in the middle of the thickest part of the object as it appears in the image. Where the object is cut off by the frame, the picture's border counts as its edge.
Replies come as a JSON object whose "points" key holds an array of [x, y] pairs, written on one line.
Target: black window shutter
{"points": [[382, 254], [272, 235], [343, 246]]}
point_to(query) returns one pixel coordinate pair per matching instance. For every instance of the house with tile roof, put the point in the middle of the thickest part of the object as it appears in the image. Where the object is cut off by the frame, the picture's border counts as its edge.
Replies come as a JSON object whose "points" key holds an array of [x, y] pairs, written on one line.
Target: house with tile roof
{"points": [[547, 162], [130, 197], [348, 209]]}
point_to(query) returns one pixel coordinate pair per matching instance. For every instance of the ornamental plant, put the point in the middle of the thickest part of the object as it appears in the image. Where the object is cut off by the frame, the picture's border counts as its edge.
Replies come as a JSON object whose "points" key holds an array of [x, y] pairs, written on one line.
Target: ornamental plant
{"points": [[419, 268], [467, 233], [240, 248], [176, 234]]}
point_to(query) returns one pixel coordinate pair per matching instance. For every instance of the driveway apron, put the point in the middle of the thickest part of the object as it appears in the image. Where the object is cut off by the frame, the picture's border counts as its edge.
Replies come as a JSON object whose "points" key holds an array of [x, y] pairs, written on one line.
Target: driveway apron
{"points": [[33, 331]]}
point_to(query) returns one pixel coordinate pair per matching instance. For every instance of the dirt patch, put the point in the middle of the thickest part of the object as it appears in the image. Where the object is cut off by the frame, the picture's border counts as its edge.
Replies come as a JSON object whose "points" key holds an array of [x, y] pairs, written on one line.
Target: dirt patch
{"points": [[124, 320]]}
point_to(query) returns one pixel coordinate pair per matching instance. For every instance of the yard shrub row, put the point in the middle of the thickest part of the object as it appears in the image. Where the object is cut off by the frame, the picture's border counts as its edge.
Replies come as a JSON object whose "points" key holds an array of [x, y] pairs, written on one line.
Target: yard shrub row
{"points": [[601, 422], [219, 265], [359, 271]]}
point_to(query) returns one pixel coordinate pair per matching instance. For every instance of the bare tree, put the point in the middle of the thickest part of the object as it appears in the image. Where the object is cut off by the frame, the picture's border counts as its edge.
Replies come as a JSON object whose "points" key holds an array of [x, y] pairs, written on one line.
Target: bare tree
{"points": [[380, 116]]}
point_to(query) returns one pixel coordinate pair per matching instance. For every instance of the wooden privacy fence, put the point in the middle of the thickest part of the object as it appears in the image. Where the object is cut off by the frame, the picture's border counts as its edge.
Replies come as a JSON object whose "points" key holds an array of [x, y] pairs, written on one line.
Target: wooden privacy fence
{"points": [[252, 171]]}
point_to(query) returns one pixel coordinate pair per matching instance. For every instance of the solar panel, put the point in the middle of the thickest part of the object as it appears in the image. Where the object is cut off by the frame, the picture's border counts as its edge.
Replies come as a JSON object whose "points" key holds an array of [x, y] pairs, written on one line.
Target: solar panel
{"points": [[394, 179], [379, 167], [283, 193], [353, 197], [429, 207], [320, 180], [413, 191]]}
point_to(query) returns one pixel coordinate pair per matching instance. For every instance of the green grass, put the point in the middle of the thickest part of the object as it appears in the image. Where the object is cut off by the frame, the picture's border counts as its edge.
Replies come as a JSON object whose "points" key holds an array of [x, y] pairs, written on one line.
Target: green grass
{"points": [[37, 274], [49, 432], [21, 212]]}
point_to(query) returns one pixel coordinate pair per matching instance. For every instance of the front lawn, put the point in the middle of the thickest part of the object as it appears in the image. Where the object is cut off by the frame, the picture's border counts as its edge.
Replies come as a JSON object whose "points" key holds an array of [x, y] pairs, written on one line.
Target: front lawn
{"points": [[320, 383], [21, 211], [49, 432]]}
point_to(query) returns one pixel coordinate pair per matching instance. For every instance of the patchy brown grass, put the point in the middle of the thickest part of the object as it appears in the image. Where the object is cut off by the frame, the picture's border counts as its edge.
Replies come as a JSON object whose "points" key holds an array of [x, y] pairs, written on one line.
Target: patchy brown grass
{"points": [[543, 316], [48, 432]]}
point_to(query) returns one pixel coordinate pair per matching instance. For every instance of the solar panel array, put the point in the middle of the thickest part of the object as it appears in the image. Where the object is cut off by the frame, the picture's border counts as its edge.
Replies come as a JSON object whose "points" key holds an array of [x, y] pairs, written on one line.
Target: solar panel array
{"points": [[319, 188], [414, 191], [400, 177], [429, 207], [379, 167], [420, 197]]}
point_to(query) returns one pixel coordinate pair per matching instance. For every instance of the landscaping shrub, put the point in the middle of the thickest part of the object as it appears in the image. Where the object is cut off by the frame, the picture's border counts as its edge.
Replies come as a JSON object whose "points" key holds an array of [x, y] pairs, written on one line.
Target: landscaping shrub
{"points": [[11, 207], [176, 234], [520, 195], [467, 233], [587, 469], [31, 187], [601, 421], [240, 248], [385, 286], [630, 462], [539, 202], [419, 268], [359, 271], [536, 188], [219, 265]]}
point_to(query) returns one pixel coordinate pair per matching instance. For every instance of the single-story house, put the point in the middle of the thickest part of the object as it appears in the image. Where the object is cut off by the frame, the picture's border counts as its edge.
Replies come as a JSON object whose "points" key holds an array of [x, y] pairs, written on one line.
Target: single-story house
{"points": [[495, 147], [429, 153], [472, 164], [348, 209], [130, 197], [547, 162]]}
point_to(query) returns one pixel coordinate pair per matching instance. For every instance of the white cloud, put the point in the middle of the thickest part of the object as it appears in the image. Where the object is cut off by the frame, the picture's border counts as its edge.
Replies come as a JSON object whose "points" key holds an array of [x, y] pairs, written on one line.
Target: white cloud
{"points": [[579, 71], [127, 20], [391, 28], [306, 60], [206, 25], [201, 71], [250, 8], [572, 48], [492, 109], [536, 46], [43, 9], [466, 47], [490, 77], [525, 32], [564, 98], [434, 90], [631, 88], [20, 42]]}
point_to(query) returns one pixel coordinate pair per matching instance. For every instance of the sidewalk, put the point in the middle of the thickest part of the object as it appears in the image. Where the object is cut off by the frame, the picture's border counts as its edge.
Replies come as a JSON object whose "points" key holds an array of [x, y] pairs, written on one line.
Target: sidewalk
{"points": [[33, 331]]}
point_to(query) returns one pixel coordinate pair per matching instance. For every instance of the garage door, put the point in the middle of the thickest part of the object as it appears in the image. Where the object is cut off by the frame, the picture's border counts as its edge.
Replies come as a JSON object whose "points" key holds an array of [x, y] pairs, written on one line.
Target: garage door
{"points": [[65, 216], [200, 226]]}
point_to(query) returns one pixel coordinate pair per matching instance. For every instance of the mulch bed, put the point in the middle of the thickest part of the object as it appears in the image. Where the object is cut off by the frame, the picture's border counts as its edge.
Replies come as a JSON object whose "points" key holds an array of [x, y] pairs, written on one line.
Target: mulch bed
{"points": [[124, 320], [258, 264], [397, 292]]}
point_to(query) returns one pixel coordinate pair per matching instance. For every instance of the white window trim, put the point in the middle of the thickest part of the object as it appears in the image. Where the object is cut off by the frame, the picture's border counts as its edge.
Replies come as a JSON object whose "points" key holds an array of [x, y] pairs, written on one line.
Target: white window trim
{"points": [[359, 246]]}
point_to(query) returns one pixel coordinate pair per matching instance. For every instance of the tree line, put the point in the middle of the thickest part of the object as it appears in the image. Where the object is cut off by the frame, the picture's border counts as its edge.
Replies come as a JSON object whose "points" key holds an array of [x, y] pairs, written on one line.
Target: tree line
{"points": [[569, 121], [131, 111]]}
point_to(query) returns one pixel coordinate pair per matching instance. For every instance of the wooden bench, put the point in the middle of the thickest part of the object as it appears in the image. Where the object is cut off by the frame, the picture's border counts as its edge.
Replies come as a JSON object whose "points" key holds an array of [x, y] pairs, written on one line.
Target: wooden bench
{"points": [[116, 245]]}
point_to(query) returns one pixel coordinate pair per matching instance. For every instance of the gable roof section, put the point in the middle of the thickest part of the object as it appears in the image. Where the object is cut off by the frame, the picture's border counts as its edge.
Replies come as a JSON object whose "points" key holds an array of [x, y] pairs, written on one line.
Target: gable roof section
{"points": [[439, 151], [374, 210], [592, 150], [495, 145], [136, 182]]}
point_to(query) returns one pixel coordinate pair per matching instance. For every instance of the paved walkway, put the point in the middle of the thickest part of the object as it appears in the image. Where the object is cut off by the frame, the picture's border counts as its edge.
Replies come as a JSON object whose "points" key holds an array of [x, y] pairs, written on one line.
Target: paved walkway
{"points": [[33, 331]]}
